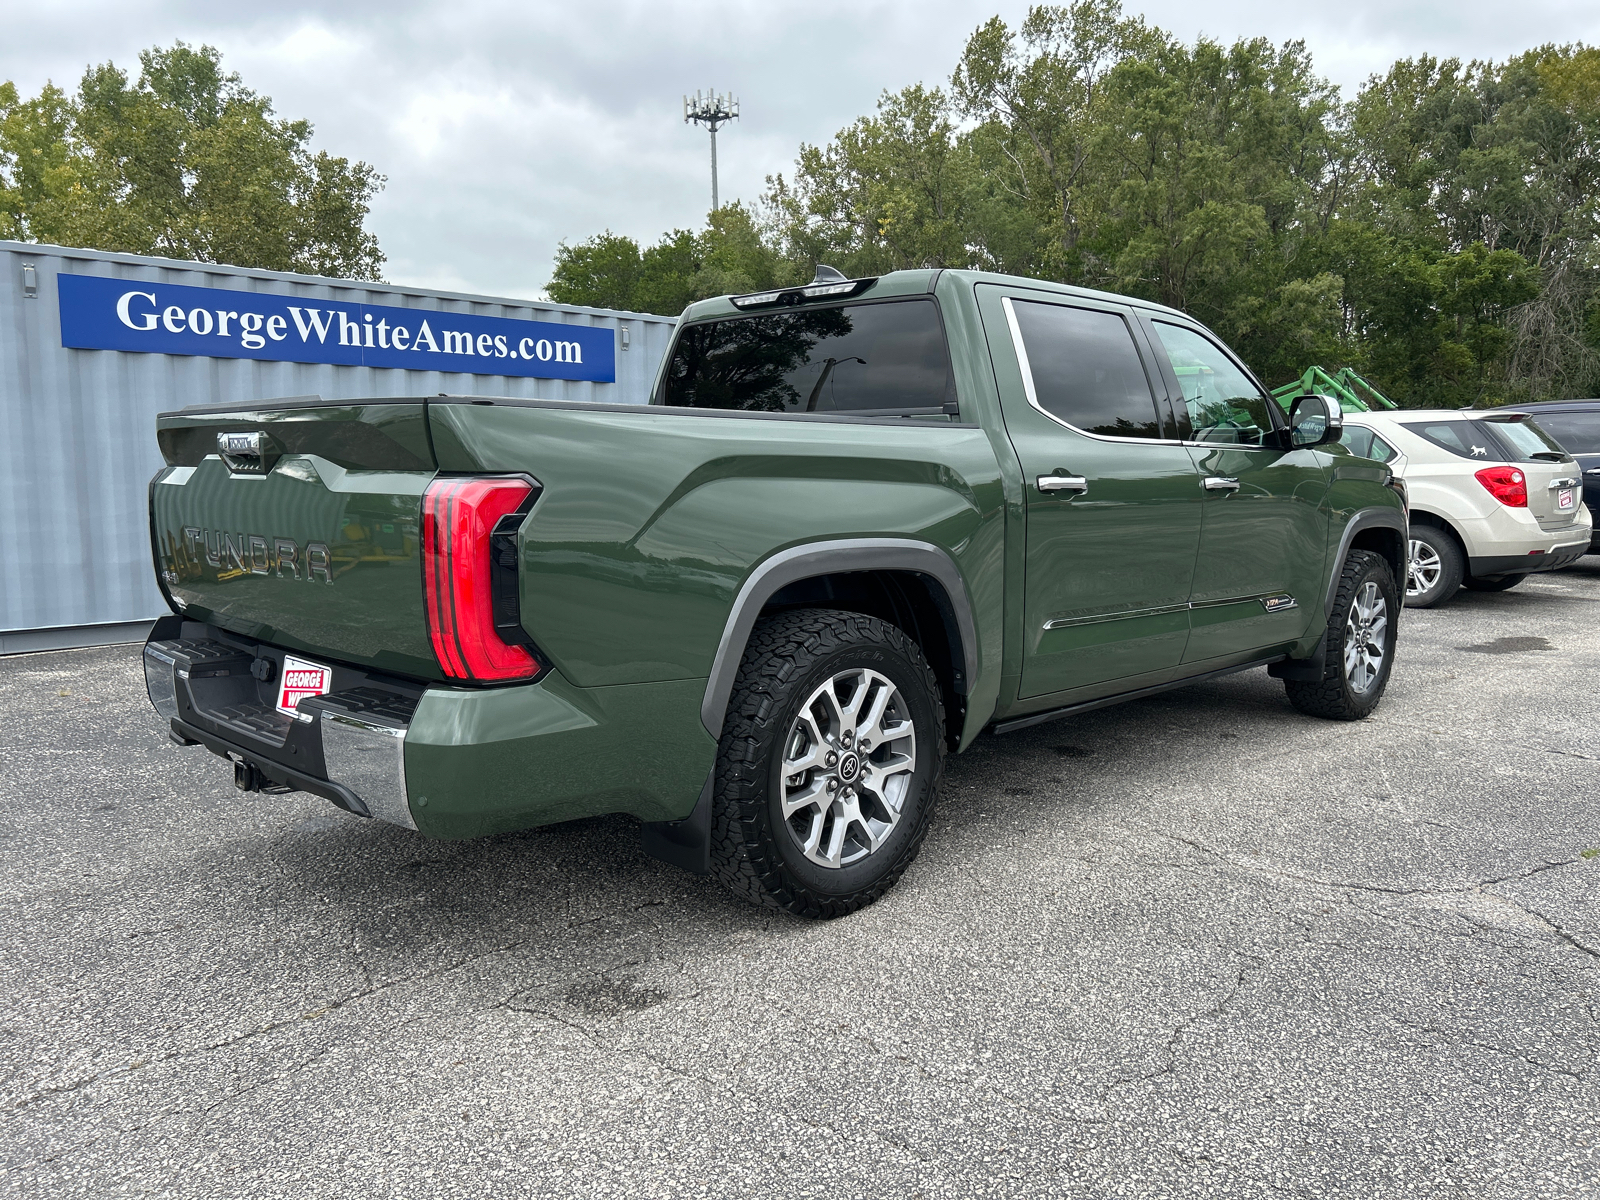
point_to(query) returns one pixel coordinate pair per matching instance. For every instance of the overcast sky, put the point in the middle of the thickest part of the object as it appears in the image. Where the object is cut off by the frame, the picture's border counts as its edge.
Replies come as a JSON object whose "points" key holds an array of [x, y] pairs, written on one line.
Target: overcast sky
{"points": [[507, 127]]}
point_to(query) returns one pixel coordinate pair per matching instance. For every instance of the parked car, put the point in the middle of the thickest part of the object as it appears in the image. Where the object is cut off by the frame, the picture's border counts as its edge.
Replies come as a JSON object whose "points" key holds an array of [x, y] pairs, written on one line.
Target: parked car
{"points": [[1494, 498], [860, 523], [1576, 425]]}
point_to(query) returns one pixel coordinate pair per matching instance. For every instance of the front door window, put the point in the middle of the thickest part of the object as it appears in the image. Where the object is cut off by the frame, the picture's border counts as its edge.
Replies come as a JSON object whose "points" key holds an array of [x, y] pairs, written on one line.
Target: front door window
{"points": [[1222, 403]]}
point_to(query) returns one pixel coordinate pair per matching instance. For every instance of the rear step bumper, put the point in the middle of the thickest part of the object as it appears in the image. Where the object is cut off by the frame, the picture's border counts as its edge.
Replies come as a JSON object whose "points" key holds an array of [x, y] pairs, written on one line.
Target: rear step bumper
{"points": [[347, 746]]}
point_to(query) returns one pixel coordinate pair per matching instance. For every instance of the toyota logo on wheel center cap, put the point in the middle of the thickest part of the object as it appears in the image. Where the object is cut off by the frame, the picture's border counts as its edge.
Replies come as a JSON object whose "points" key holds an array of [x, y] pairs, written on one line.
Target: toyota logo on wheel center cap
{"points": [[849, 767]]}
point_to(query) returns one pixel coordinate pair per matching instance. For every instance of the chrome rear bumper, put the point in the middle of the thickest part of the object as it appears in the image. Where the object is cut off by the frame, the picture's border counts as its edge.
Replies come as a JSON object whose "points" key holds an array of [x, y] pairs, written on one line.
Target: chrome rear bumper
{"points": [[347, 746]]}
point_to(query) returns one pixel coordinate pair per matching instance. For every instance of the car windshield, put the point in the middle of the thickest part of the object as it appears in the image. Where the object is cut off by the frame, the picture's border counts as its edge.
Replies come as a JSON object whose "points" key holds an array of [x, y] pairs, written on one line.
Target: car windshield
{"points": [[1524, 436], [865, 358]]}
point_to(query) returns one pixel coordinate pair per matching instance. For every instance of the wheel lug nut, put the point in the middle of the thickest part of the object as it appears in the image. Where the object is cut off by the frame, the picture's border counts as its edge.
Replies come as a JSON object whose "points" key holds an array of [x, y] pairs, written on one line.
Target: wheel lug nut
{"points": [[833, 785], [832, 758]]}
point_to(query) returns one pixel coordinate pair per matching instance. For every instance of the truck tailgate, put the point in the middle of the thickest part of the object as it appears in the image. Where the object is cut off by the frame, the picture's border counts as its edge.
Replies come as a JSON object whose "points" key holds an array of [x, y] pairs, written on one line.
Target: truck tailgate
{"points": [[306, 534]]}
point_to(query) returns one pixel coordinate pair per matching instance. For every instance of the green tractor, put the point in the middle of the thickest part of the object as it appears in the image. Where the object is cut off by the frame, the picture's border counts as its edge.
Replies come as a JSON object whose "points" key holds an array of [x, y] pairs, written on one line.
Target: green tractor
{"points": [[1354, 393]]}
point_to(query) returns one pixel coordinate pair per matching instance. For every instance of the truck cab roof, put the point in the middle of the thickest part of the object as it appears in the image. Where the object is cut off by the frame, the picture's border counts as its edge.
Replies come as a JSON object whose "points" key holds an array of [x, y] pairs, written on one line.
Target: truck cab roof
{"points": [[923, 281]]}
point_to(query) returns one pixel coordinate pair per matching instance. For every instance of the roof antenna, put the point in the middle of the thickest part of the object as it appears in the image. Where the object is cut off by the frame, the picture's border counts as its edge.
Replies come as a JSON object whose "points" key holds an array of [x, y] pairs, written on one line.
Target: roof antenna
{"points": [[826, 274]]}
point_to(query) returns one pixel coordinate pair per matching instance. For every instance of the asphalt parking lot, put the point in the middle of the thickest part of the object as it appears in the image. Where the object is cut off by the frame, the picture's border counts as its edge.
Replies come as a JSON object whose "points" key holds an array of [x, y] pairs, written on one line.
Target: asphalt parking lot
{"points": [[1198, 945]]}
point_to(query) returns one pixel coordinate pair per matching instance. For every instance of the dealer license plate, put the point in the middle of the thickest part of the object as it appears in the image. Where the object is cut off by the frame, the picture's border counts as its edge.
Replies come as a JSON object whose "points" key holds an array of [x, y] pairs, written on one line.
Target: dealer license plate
{"points": [[301, 678], [1564, 499]]}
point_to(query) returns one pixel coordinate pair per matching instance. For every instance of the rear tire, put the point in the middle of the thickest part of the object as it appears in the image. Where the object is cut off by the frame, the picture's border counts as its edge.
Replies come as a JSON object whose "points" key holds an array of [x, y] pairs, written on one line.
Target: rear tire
{"points": [[1491, 583], [1359, 647], [829, 764], [1436, 567]]}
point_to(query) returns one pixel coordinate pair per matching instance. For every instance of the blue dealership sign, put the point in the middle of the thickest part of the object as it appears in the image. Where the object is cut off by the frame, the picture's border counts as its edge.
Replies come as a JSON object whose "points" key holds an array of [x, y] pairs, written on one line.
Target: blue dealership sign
{"points": [[98, 313]]}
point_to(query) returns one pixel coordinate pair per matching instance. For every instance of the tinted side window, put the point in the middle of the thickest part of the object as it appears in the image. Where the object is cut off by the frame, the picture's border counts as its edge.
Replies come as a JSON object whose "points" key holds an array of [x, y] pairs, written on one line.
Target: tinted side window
{"points": [[1578, 432], [1360, 440], [1469, 439], [858, 359], [1085, 369]]}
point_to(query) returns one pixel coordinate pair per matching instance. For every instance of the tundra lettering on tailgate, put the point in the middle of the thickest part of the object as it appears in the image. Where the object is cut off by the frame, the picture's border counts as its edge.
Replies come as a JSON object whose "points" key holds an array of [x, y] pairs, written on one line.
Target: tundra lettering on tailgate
{"points": [[235, 554]]}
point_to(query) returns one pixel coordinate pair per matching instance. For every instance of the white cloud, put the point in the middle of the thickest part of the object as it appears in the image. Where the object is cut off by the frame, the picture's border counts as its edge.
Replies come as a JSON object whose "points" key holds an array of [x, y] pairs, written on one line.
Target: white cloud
{"points": [[505, 128]]}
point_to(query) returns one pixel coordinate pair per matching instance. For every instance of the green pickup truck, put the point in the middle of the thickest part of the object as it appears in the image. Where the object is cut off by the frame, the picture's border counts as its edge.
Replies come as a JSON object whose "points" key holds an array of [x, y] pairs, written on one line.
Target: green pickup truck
{"points": [[860, 523]]}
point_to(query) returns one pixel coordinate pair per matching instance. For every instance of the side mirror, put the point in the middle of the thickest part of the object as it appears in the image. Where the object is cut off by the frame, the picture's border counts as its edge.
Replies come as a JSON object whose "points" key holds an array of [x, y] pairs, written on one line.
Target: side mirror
{"points": [[1314, 421]]}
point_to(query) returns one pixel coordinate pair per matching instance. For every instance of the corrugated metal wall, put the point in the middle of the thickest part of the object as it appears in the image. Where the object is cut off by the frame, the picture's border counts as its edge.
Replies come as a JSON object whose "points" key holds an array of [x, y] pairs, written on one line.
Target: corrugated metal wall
{"points": [[77, 427]]}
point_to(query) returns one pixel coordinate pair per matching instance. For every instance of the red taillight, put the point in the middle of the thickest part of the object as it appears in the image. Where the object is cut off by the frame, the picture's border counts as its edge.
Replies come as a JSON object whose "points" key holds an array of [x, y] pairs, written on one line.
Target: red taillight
{"points": [[458, 517], [1505, 484]]}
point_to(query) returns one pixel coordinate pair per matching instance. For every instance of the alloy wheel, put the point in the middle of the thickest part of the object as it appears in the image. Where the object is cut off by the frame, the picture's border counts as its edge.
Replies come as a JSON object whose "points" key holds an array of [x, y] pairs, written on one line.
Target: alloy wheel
{"points": [[849, 762], [1366, 633], [1426, 567]]}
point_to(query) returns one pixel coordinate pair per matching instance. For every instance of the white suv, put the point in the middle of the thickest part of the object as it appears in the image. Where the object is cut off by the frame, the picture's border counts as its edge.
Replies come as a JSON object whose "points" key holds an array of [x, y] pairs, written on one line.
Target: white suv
{"points": [[1493, 497]]}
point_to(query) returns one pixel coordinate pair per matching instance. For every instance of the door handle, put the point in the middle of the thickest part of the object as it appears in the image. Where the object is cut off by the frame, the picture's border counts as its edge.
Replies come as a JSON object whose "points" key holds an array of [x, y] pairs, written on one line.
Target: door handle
{"points": [[1593, 471], [1220, 483], [1063, 483]]}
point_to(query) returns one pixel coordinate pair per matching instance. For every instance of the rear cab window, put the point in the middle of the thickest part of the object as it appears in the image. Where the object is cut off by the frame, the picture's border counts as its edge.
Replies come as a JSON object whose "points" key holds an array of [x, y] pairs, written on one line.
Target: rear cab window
{"points": [[1082, 367], [884, 358]]}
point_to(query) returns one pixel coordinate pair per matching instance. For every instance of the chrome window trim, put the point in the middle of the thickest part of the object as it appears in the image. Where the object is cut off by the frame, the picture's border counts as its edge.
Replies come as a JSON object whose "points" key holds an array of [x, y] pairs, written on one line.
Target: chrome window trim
{"points": [[1241, 446], [1033, 396]]}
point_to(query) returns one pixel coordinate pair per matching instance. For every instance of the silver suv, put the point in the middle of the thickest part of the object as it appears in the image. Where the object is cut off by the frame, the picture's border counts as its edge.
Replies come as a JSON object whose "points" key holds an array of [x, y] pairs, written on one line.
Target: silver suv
{"points": [[1493, 497]]}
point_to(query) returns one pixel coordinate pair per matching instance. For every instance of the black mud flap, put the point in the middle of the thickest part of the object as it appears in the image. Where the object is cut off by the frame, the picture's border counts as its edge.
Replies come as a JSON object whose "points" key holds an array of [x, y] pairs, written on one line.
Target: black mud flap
{"points": [[685, 843], [1309, 669]]}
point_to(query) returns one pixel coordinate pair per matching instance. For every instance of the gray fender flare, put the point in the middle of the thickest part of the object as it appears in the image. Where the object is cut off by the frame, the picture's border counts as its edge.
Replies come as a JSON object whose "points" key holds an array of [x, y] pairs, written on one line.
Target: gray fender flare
{"points": [[1366, 518], [828, 558]]}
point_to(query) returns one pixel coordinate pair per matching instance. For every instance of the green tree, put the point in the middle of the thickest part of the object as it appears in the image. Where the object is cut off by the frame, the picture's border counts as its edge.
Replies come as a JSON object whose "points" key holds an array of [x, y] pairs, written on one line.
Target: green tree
{"points": [[733, 254], [185, 162], [1221, 171], [889, 192], [1463, 167], [1440, 231], [1039, 97]]}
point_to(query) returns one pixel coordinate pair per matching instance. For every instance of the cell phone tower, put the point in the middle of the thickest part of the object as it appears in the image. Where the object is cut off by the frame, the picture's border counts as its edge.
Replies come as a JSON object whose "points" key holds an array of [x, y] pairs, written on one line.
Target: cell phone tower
{"points": [[712, 111]]}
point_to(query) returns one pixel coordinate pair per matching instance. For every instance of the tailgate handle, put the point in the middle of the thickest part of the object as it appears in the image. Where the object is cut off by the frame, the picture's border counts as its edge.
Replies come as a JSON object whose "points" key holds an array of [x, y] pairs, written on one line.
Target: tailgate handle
{"points": [[1561, 483]]}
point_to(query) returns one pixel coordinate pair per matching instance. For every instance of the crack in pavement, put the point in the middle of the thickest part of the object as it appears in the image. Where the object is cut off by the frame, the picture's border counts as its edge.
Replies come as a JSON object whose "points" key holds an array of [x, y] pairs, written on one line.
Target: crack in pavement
{"points": [[327, 1009], [1478, 888], [1453, 1039], [1176, 1036]]}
